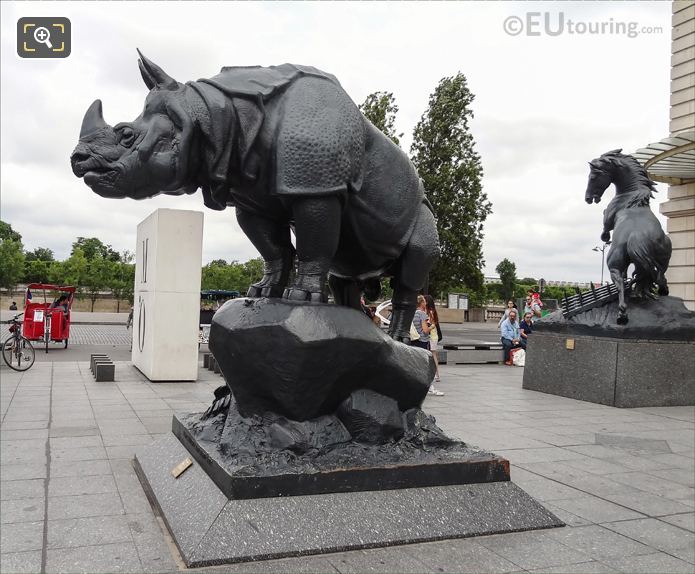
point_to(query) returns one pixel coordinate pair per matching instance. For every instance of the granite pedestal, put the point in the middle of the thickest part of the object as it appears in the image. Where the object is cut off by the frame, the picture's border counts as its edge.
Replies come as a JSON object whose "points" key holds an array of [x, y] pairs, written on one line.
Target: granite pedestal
{"points": [[609, 371], [209, 528]]}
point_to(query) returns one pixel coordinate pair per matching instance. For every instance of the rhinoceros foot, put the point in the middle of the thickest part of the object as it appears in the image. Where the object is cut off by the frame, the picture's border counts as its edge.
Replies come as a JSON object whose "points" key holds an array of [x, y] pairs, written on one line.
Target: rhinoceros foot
{"points": [[296, 294]]}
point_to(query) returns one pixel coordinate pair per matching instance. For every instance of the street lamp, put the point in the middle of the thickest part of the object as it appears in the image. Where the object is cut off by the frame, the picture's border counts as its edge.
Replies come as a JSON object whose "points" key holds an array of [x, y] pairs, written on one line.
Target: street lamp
{"points": [[602, 249]]}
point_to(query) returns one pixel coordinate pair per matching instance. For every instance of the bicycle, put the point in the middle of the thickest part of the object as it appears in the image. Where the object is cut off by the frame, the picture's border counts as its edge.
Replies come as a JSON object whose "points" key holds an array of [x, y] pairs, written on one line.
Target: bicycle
{"points": [[17, 351]]}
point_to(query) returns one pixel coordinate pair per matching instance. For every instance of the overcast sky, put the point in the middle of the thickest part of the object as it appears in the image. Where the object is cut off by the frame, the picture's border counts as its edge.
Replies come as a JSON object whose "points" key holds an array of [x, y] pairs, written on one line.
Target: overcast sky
{"points": [[544, 105]]}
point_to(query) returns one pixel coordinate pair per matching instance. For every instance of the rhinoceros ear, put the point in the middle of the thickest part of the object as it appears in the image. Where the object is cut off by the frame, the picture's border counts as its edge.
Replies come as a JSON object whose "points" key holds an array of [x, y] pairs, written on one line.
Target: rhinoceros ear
{"points": [[154, 76]]}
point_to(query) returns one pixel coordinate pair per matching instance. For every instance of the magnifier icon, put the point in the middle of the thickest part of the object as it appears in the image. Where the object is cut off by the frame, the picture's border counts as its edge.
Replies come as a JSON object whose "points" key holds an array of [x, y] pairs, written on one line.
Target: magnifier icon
{"points": [[43, 36]]}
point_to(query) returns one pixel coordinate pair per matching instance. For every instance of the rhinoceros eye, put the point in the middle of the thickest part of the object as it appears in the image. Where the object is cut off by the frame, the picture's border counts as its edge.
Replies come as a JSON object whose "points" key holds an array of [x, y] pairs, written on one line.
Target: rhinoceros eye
{"points": [[127, 136]]}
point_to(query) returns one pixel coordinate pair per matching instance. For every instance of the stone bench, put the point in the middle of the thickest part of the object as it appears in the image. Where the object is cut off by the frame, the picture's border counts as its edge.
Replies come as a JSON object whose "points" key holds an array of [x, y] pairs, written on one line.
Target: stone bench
{"points": [[471, 353]]}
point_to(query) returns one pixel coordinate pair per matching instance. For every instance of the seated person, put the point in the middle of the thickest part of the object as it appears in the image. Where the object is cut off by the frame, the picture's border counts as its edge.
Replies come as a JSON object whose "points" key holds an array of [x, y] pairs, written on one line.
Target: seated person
{"points": [[526, 326], [61, 301], [511, 336]]}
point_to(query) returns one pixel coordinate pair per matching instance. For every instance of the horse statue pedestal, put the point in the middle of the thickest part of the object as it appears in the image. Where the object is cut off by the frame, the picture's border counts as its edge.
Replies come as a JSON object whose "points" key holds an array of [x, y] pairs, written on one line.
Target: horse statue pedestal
{"points": [[649, 362]]}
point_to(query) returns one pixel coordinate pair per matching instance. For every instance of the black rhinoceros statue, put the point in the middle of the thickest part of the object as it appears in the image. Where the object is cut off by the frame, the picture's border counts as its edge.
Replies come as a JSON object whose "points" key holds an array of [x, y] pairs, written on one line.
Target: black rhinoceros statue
{"points": [[287, 147]]}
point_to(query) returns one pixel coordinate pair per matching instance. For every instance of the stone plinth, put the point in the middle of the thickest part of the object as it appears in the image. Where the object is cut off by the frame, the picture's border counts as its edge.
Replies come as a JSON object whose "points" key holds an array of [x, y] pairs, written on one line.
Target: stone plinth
{"points": [[208, 528], [609, 371], [167, 295]]}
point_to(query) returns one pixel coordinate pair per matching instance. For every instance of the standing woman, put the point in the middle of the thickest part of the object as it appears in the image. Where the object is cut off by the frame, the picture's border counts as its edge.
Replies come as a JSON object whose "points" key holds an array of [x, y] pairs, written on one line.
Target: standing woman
{"points": [[510, 305], [421, 323], [434, 333]]}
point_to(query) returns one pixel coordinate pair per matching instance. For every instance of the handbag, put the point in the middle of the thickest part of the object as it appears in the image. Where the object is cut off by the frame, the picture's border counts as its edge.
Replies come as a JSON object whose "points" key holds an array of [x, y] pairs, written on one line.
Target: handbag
{"points": [[439, 333], [414, 335], [518, 357]]}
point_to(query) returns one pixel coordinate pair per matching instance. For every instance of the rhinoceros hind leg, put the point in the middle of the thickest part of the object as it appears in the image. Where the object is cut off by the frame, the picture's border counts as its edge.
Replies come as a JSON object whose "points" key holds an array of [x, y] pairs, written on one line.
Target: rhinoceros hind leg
{"points": [[317, 228], [415, 263], [346, 292], [273, 243]]}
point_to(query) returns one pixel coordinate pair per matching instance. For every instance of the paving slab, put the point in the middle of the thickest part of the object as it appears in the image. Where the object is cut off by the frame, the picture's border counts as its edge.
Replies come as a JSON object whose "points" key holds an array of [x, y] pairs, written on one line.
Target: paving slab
{"points": [[653, 532], [106, 559], [484, 405], [650, 563], [92, 531], [686, 521], [529, 550], [590, 567], [21, 537], [467, 555], [22, 510], [20, 562]]}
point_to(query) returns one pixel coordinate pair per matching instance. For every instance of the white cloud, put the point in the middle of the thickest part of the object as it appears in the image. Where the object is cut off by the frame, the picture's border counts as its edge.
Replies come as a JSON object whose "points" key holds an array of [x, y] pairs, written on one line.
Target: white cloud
{"points": [[544, 105]]}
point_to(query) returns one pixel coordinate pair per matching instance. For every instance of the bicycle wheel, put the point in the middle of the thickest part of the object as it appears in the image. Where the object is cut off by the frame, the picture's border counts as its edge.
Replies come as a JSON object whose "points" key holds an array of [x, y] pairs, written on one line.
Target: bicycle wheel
{"points": [[18, 353]]}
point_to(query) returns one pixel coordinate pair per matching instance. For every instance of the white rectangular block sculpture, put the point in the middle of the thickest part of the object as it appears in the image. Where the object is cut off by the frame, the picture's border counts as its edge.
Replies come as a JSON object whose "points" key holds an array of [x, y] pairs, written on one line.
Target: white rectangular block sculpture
{"points": [[168, 261]]}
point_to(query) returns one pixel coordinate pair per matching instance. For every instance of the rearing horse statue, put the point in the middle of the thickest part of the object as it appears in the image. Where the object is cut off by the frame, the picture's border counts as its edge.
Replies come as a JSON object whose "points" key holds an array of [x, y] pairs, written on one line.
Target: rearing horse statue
{"points": [[637, 234]]}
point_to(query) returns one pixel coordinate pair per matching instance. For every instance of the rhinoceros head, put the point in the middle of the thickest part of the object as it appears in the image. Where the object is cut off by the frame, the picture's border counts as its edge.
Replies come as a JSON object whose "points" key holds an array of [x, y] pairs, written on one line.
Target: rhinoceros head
{"points": [[142, 158]]}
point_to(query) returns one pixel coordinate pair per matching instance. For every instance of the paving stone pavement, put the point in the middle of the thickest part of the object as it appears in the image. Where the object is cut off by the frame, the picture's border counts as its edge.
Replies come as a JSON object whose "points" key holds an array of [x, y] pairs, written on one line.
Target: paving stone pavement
{"points": [[622, 479], [87, 335]]}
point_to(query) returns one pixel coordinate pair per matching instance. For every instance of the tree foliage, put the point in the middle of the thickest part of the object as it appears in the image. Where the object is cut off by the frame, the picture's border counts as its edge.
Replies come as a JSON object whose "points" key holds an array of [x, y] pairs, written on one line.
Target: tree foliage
{"points": [[507, 272], [380, 108], [40, 254], [444, 155], [92, 247], [234, 276], [6, 232], [11, 261]]}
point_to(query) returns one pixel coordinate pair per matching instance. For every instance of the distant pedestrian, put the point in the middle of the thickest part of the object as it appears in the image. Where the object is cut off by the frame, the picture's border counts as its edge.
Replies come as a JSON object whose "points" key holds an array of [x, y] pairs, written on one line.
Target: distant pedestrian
{"points": [[13, 306], [421, 323], [366, 309], [129, 322], [510, 305], [526, 326], [533, 306], [435, 334], [511, 336]]}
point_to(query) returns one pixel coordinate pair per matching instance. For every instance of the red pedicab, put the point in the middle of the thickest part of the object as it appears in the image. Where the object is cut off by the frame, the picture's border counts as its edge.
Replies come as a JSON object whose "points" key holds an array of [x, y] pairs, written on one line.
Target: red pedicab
{"points": [[44, 321]]}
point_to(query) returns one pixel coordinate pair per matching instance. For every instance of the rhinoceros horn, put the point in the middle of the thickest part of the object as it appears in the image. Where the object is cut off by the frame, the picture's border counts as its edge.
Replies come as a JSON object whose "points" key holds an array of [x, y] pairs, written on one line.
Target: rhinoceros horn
{"points": [[154, 76], [93, 119]]}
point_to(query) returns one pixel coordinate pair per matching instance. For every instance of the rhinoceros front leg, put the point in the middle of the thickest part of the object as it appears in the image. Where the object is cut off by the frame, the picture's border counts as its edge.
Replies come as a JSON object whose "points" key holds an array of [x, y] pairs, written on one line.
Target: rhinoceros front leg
{"points": [[317, 230], [272, 239]]}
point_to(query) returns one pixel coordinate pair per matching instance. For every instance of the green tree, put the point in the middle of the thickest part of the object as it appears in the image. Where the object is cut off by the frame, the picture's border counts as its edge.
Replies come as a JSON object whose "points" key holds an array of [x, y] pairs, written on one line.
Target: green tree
{"points": [[40, 254], [380, 108], [72, 271], [37, 270], [220, 275], [444, 156], [6, 232], [93, 247], [122, 280], [252, 272], [11, 262], [97, 277], [507, 272]]}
